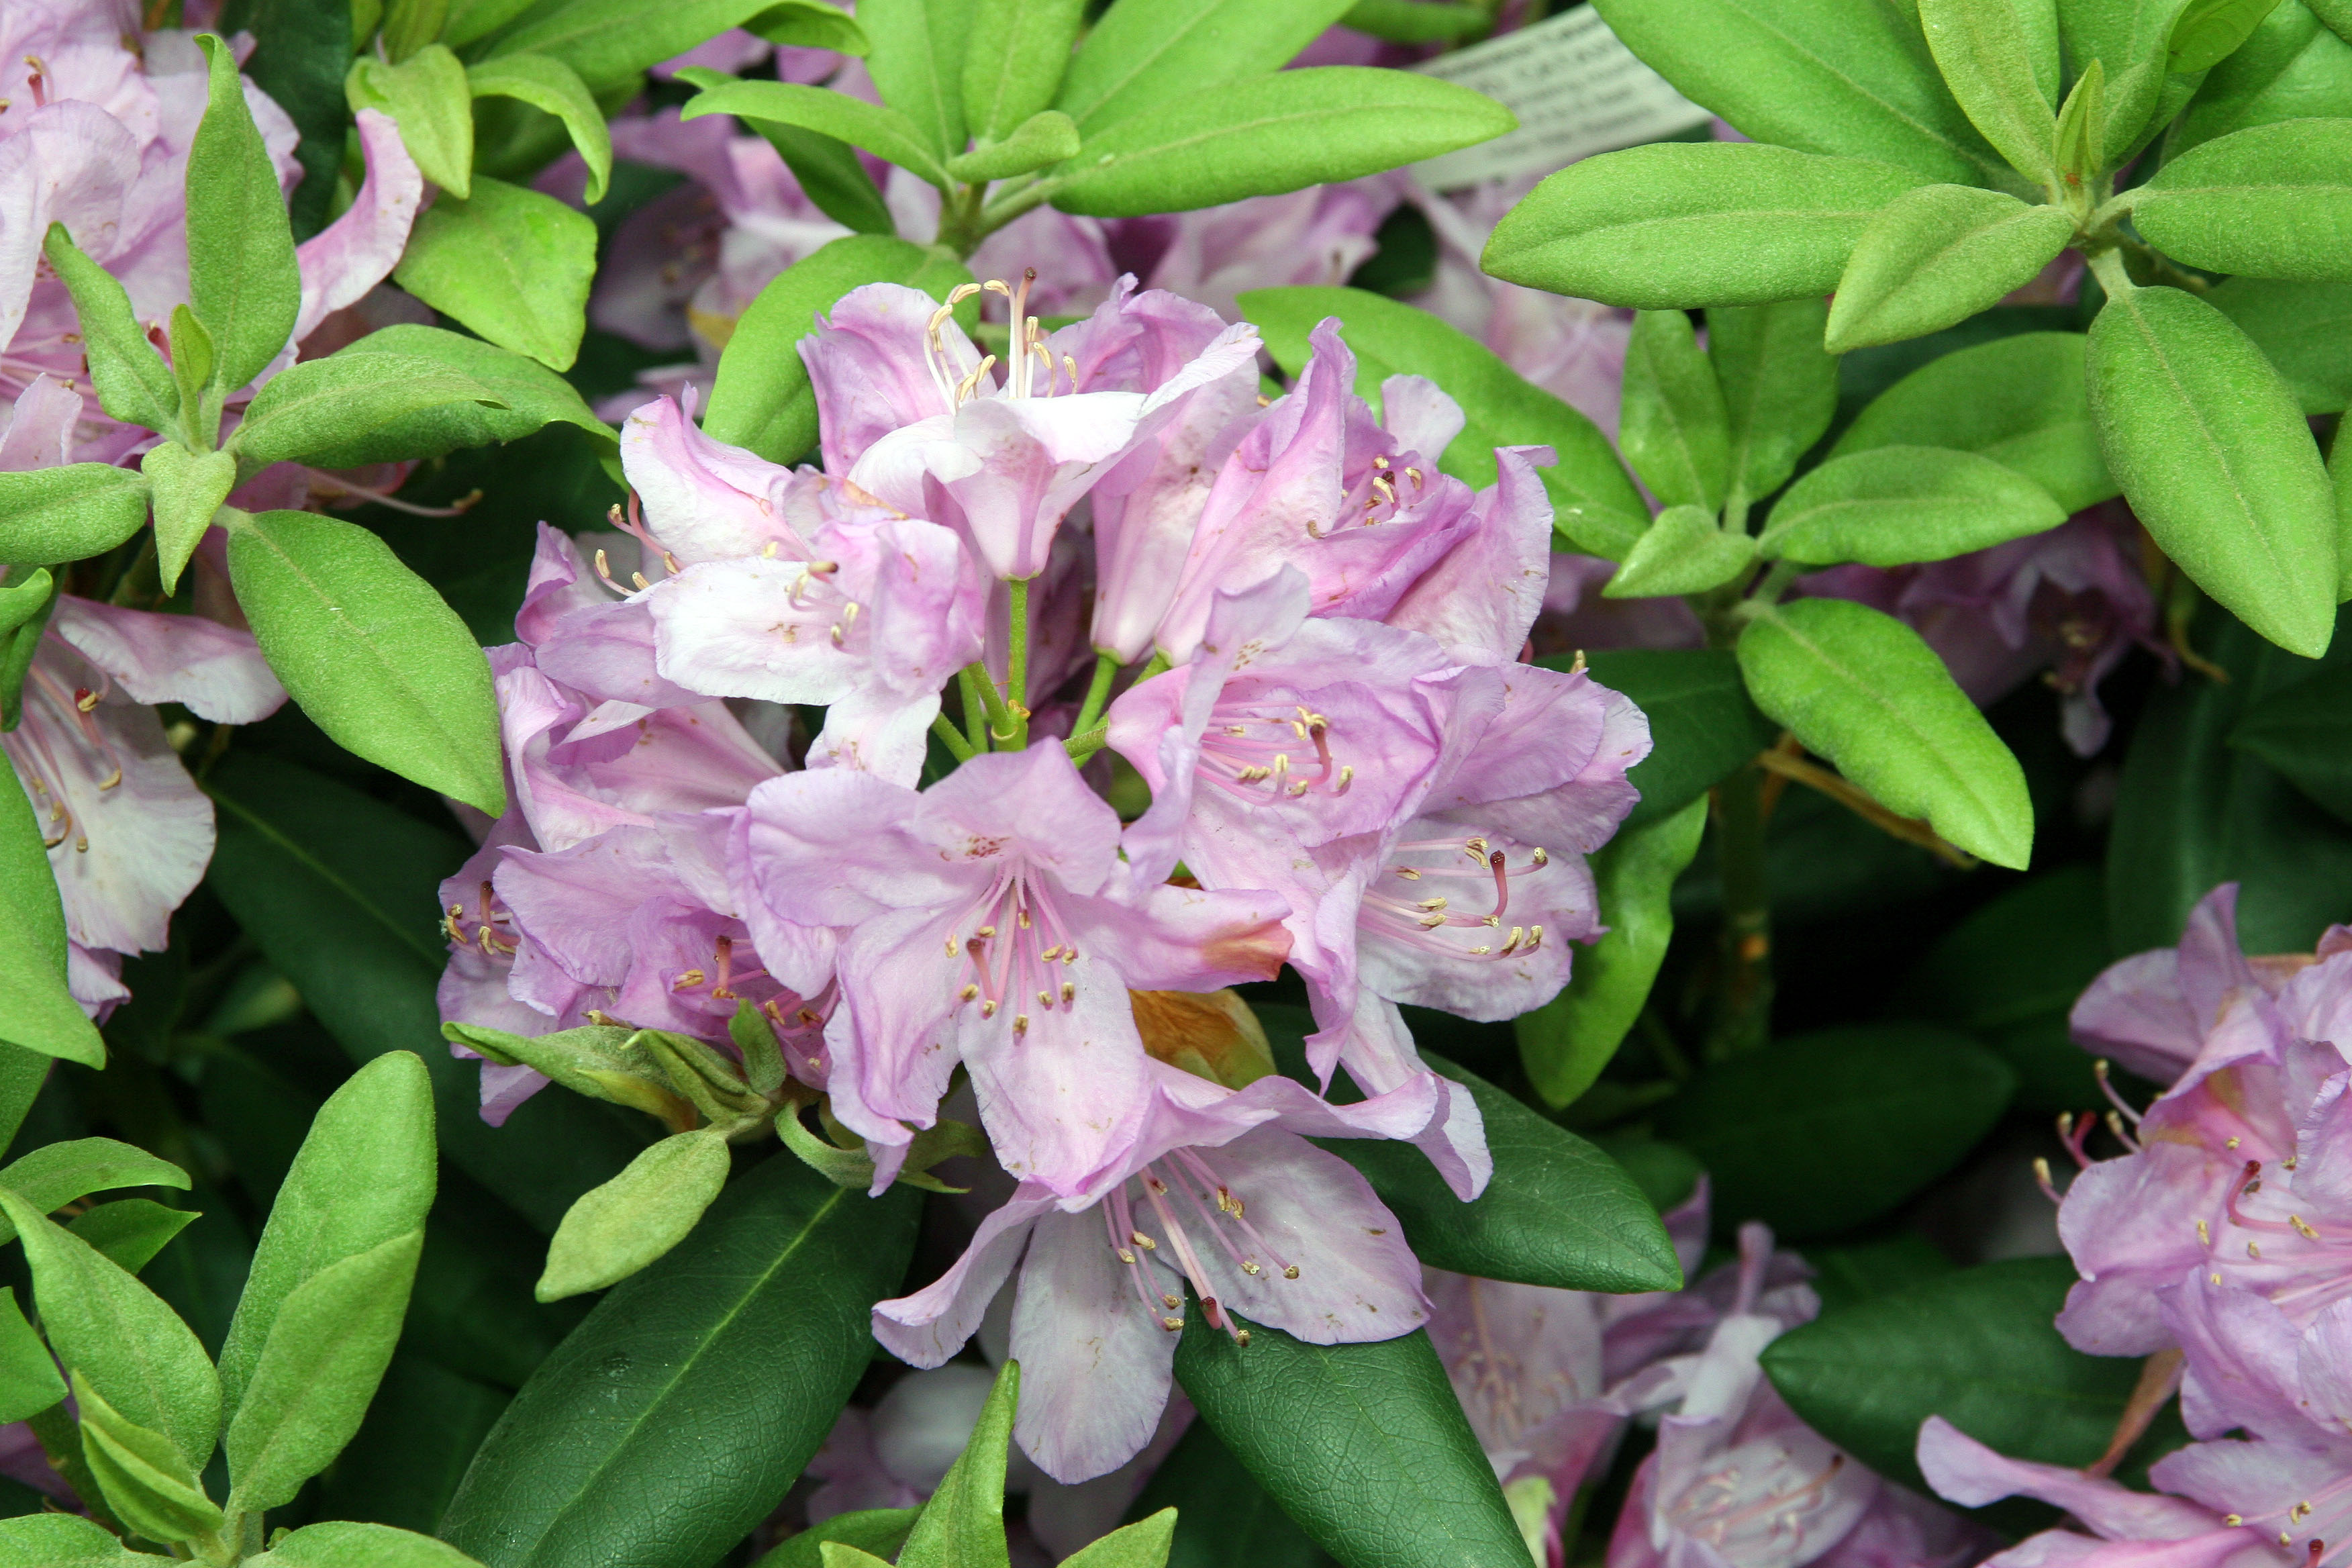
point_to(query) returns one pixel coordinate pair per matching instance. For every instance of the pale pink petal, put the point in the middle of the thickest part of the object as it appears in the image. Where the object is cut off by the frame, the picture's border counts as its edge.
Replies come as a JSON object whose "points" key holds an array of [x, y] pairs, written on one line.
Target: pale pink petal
{"points": [[929, 1326], [218, 673], [357, 251]]}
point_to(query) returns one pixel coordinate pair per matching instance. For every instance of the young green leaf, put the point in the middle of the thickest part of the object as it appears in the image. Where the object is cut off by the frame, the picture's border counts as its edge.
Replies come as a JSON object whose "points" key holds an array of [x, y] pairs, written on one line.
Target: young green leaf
{"points": [[639, 1214], [187, 488], [2215, 455], [881, 130], [1271, 134], [811, 25], [755, 1042], [839, 1555], [1144, 53], [36, 1012], [963, 1524], [2080, 146], [546, 83], [880, 1531], [1683, 551], [428, 95], [55, 1175], [1779, 388], [70, 513], [512, 396], [2018, 400], [2306, 733], [1937, 256], [1981, 48], [325, 1354], [1673, 428], [2272, 201], [370, 651], [67, 1540], [1702, 725], [113, 1331], [510, 263], [349, 402], [29, 1383], [242, 280], [1565, 1043], [1892, 506], [344, 1543], [2209, 31], [1685, 223], [1861, 688], [192, 366], [591, 1060], [1047, 137], [150, 1486], [131, 380], [916, 58], [1019, 51], [132, 1231], [608, 42], [364, 1178], [1143, 1544]]}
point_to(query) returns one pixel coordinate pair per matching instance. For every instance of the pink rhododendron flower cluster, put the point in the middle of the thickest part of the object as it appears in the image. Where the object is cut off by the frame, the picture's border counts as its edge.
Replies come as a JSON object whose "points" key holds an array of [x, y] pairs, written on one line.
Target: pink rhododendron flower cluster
{"points": [[1306, 644]]}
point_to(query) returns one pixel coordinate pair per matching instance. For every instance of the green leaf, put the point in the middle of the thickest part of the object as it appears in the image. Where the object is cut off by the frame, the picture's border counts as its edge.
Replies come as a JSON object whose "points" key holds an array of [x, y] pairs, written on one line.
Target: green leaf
{"points": [[2082, 136], [619, 1228], [1271, 134], [1681, 224], [2291, 67], [2018, 400], [131, 380], [608, 42], [1892, 506], [1143, 1544], [192, 364], [325, 1354], [36, 1012], [2208, 31], [831, 176], [2305, 329], [1018, 53], [1683, 551], [1782, 1131], [763, 399], [428, 95], [420, 1433], [410, 24], [1980, 46], [1978, 1348], [546, 83], [370, 651], [1417, 21], [1565, 1043], [1703, 728], [916, 60], [1591, 494], [300, 52], [1364, 1445], [26, 607], [1861, 690], [1046, 137], [673, 1418], [837, 1554], [2336, 14], [147, 1482], [1223, 1515], [1819, 76], [510, 263], [2272, 201], [1144, 54], [811, 25], [593, 1060], [349, 402], [55, 1175], [64, 1541], [880, 1531], [1779, 388], [340, 891], [2212, 452], [882, 130], [2128, 37], [29, 1383], [1673, 428], [132, 1230], [113, 1331], [345, 1544], [48, 516], [1937, 256], [242, 280], [364, 1178], [523, 394], [2305, 733], [187, 488], [963, 1524]]}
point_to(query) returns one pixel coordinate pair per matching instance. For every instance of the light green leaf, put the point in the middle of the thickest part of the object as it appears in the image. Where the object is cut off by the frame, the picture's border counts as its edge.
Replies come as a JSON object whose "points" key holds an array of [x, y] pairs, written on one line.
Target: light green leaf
{"points": [[2018, 400], [131, 380], [1596, 502], [1779, 388], [36, 1012], [2212, 452], [755, 1041], [1935, 257], [363, 1177], [1417, 21], [2273, 201], [811, 25], [1271, 134], [840, 1555], [1046, 137], [2292, 67], [1144, 53], [546, 83], [147, 1482], [427, 94], [1861, 690], [48, 516], [916, 60], [326, 1351], [608, 42], [113, 1331], [963, 1524], [879, 129], [1682, 552], [510, 263], [1565, 1043], [187, 489], [1143, 1544], [348, 402], [1983, 50], [132, 1231], [1673, 428], [29, 1383], [830, 175], [593, 1060], [1686, 224], [2209, 31], [1019, 51], [522, 396], [55, 1175], [370, 651], [347, 1544], [881, 1531], [242, 280], [191, 369], [2082, 138], [619, 1228], [64, 1541], [2339, 479], [2305, 329], [1892, 506], [2336, 14], [2128, 37]]}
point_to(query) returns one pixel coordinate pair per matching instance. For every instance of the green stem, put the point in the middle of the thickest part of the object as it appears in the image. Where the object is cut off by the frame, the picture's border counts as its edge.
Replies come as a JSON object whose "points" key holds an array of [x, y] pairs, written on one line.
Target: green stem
{"points": [[1011, 204], [1082, 746], [1744, 995], [1775, 582], [1098, 693], [975, 711], [1016, 660], [1001, 726], [960, 219], [952, 738]]}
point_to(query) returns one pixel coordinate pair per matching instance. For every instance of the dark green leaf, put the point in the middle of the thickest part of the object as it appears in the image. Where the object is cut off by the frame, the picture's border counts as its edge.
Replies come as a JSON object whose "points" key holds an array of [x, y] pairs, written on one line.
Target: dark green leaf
{"points": [[916, 58], [1684, 551], [510, 263], [1683, 223], [831, 176], [1779, 387], [131, 380], [963, 1524], [1673, 428], [1702, 724], [1223, 1515], [1937, 256], [29, 1383], [1982, 48], [131, 1231], [673, 1418], [420, 1433], [2306, 733], [1783, 1131], [242, 278], [36, 1012], [2272, 201], [2305, 329], [881, 130], [428, 95], [548, 84], [1892, 506], [880, 1531], [1865, 1270], [48, 516], [1020, 49], [1145, 53], [299, 53]]}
